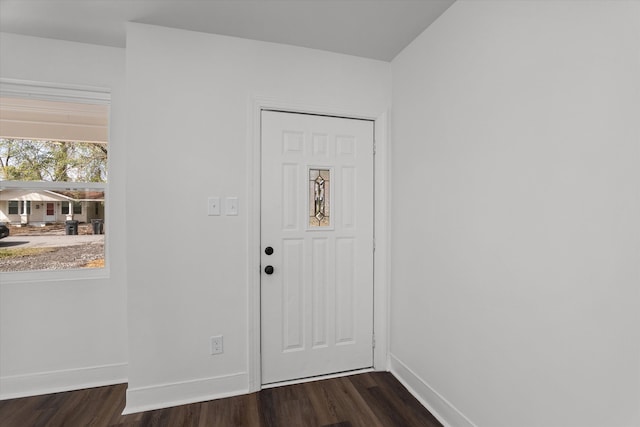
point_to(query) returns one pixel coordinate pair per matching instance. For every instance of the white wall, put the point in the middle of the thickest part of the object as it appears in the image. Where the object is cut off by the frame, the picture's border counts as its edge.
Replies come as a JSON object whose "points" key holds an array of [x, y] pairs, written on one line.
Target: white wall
{"points": [[189, 124], [71, 333], [516, 214]]}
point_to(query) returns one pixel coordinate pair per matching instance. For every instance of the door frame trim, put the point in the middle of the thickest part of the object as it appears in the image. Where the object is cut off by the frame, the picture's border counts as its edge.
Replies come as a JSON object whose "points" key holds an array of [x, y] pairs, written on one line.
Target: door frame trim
{"points": [[381, 261]]}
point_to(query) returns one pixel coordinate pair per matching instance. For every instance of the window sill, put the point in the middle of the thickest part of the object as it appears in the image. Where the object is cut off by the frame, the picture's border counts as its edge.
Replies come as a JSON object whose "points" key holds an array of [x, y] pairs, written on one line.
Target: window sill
{"points": [[40, 276]]}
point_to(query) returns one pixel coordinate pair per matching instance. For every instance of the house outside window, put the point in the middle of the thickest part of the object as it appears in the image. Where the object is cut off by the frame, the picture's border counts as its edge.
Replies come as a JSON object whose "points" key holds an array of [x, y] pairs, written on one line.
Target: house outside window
{"points": [[53, 153]]}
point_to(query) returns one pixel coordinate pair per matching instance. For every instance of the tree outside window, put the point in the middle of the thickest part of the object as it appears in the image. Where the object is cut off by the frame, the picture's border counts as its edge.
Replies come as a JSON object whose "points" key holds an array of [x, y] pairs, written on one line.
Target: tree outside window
{"points": [[52, 161]]}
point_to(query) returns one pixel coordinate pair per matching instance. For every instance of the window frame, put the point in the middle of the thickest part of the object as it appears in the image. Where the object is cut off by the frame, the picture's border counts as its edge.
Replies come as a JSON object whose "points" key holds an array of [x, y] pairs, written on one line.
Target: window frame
{"points": [[11, 208], [61, 93]]}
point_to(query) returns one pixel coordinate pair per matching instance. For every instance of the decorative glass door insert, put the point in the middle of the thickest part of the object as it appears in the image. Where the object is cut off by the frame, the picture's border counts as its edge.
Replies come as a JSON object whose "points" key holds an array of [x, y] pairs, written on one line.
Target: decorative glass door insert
{"points": [[319, 198]]}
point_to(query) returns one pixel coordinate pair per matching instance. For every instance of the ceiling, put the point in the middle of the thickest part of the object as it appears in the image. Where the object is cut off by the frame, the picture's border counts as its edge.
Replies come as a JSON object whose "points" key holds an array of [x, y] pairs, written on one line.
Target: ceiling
{"points": [[377, 29], [28, 118]]}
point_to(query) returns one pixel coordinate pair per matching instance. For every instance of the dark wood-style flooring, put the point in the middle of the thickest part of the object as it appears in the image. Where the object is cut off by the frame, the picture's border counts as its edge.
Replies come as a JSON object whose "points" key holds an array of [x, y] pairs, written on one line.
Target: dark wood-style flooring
{"points": [[367, 400]]}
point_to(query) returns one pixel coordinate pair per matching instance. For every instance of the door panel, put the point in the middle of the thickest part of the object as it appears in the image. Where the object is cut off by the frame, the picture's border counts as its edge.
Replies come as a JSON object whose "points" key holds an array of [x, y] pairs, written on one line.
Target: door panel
{"points": [[50, 213], [317, 214]]}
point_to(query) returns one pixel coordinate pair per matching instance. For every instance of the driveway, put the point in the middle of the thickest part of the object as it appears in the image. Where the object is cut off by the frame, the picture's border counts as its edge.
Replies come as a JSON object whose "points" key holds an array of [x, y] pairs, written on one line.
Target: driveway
{"points": [[22, 241]]}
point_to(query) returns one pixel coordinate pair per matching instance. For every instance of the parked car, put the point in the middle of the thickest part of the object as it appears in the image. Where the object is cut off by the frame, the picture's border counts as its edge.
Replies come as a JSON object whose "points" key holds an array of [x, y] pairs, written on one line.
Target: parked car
{"points": [[4, 231]]}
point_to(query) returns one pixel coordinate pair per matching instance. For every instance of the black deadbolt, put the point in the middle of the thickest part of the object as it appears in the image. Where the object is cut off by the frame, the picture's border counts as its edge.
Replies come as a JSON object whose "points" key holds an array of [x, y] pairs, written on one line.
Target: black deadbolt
{"points": [[268, 269], [268, 250]]}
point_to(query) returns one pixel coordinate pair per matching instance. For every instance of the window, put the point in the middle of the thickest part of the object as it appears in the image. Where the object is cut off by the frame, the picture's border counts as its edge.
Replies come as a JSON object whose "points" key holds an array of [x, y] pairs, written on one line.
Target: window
{"points": [[16, 207], [77, 208], [53, 155]]}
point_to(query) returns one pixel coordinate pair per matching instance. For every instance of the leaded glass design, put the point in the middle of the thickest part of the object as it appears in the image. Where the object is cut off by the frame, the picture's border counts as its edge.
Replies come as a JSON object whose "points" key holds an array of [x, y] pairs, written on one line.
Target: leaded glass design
{"points": [[319, 197]]}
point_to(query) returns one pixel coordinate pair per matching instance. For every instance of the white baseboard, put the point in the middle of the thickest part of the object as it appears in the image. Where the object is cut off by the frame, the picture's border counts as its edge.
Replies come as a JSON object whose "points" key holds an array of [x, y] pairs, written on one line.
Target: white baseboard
{"points": [[440, 407], [183, 393], [15, 386]]}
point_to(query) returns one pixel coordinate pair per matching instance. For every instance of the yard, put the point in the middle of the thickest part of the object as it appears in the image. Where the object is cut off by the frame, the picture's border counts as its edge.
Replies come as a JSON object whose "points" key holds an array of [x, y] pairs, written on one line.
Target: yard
{"points": [[48, 248]]}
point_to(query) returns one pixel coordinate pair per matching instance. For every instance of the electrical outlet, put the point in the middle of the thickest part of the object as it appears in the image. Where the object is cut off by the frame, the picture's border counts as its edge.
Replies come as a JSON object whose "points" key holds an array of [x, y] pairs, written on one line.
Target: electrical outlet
{"points": [[216, 345]]}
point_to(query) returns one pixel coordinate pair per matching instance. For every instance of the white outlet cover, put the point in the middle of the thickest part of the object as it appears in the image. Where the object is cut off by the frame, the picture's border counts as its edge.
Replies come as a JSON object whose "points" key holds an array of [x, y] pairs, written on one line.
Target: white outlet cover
{"points": [[217, 346]]}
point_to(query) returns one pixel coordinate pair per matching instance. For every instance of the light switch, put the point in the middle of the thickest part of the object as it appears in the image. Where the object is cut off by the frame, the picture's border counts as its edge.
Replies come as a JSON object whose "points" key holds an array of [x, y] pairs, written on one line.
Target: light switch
{"points": [[232, 206], [213, 206]]}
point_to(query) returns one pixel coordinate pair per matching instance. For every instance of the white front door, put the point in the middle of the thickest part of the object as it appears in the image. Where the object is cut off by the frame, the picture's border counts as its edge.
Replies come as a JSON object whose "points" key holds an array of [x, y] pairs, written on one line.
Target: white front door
{"points": [[316, 245]]}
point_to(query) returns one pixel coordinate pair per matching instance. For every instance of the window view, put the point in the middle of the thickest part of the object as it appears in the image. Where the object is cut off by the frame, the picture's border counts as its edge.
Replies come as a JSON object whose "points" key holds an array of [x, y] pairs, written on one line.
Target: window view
{"points": [[53, 179]]}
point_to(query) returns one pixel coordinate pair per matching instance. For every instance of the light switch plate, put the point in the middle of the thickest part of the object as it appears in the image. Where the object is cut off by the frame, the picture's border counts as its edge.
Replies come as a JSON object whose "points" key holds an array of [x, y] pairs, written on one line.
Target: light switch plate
{"points": [[231, 206], [213, 206]]}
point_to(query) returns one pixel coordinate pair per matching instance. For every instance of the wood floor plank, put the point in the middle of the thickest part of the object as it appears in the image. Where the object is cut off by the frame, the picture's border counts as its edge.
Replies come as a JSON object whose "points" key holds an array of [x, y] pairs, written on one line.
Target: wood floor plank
{"points": [[393, 403], [373, 399], [339, 401], [358, 408], [321, 402], [239, 411], [289, 404], [252, 414]]}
